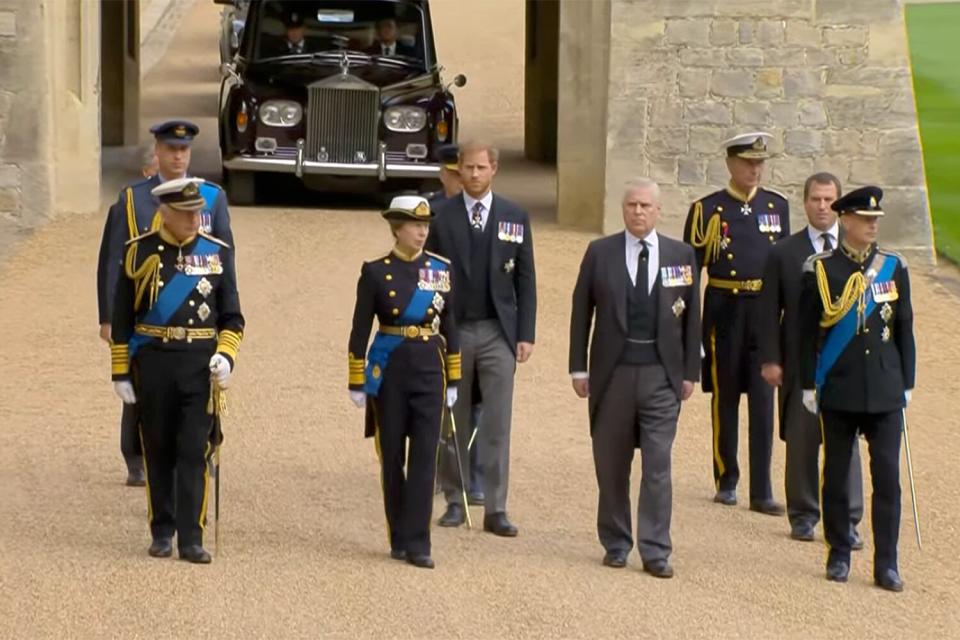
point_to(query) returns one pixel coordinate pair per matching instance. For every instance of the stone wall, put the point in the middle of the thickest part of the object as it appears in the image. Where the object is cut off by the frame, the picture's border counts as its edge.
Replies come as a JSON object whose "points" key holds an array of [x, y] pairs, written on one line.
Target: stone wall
{"points": [[830, 79]]}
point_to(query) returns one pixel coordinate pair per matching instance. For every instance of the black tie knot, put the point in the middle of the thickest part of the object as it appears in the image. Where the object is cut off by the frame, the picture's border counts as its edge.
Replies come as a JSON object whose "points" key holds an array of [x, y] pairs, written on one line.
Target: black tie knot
{"points": [[827, 242]]}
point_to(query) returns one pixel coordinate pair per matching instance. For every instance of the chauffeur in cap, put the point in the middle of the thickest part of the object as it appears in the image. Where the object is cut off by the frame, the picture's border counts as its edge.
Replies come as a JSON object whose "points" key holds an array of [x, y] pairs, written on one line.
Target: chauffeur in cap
{"points": [[136, 212], [409, 373], [448, 155], [858, 361], [176, 330], [731, 231]]}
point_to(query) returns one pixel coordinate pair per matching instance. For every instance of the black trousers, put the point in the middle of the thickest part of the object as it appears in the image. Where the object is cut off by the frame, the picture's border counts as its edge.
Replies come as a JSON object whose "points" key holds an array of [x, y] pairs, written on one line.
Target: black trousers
{"points": [[882, 431], [172, 389], [130, 445], [732, 342], [409, 411]]}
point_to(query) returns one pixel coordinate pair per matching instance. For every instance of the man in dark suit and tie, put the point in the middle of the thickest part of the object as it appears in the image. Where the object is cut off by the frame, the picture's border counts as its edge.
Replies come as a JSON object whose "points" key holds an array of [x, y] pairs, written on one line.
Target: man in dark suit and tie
{"points": [[388, 43], [639, 291], [779, 351], [489, 241]]}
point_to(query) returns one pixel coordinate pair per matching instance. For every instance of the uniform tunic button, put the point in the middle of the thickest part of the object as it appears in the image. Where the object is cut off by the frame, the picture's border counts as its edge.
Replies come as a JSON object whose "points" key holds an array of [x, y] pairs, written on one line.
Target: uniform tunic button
{"points": [[160, 247], [396, 311], [427, 263], [772, 238], [389, 277], [736, 291], [190, 321], [192, 303], [867, 352], [729, 256], [430, 311], [866, 330], [160, 284], [387, 261], [733, 272], [392, 294], [425, 338]]}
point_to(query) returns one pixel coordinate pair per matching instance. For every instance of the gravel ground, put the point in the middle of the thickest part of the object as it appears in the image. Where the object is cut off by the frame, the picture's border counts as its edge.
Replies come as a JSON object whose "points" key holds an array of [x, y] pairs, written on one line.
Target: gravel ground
{"points": [[303, 549]]}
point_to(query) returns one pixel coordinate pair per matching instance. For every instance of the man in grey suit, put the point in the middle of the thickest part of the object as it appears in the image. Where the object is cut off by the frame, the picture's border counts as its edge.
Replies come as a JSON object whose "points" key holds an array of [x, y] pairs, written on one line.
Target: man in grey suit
{"points": [[780, 355], [489, 242], [639, 291]]}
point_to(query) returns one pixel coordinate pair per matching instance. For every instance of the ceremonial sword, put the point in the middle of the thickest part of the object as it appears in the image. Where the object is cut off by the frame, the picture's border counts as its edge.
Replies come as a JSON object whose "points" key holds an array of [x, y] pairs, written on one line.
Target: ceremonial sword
{"points": [[913, 489]]}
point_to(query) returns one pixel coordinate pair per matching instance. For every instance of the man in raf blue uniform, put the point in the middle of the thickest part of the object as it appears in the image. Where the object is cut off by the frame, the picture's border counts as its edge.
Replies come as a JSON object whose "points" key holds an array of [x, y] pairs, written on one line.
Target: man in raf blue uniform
{"points": [[731, 232], [136, 212], [858, 367], [176, 330]]}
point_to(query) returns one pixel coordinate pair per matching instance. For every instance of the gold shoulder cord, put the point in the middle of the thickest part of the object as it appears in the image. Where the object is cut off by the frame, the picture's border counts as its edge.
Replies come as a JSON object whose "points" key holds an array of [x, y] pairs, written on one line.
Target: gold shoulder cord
{"points": [[147, 275], [709, 241], [852, 294]]}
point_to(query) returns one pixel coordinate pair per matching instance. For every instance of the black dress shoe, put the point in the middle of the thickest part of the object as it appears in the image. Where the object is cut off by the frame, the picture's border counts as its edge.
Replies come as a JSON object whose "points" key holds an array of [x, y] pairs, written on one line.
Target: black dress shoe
{"points": [[802, 532], [398, 554], [726, 496], [658, 568], [890, 580], [453, 517], [767, 507], [161, 548], [838, 571], [856, 542], [475, 499], [423, 562], [497, 524], [135, 477], [615, 559], [195, 554]]}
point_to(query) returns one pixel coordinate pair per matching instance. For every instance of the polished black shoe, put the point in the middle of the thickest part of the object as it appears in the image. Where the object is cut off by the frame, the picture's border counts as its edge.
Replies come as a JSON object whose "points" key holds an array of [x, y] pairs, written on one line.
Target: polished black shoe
{"points": [[726, 496], [135, 475], [767, 507], [398, 554], [802, 532], [889, 580], [838, 571], [195, 554], [658, 568], [498, 525], [161, 548], [856, 542], [453, 517], [615, 559], [423, 562], [475, 499]]}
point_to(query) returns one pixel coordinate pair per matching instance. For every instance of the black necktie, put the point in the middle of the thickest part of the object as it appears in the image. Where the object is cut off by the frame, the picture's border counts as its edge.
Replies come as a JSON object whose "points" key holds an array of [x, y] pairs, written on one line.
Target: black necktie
{"points": [[827, 242], [642, 276]]}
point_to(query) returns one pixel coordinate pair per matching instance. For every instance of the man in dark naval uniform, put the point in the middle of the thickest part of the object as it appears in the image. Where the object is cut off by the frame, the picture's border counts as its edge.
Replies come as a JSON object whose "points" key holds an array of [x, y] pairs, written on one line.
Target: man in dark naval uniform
{"points": [[134, 213], [858, 363], [176, 330], [732, 231]]}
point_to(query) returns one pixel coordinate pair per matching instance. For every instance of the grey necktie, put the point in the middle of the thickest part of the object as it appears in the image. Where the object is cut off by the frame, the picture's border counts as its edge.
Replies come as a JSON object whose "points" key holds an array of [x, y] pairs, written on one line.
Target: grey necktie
{"points": [[476, 218]]}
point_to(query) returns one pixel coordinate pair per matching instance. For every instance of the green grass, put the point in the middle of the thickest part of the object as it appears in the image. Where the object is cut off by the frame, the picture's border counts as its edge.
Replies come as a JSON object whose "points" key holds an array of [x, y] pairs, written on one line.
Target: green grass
{"points": [[934, 34]]}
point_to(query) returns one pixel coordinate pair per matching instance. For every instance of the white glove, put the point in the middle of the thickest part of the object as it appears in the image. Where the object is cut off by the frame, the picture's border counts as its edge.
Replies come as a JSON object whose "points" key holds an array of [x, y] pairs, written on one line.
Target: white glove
{"points": [[451, 397], [810, 400], [906, 396], [358, 398], [220, 370], [124, 390]]}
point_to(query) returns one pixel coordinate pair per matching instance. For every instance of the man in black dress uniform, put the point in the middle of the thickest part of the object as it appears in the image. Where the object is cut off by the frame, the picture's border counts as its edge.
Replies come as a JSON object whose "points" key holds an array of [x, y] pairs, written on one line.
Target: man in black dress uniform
{"points": [[176, 330], [732, 231], [858, 367]]}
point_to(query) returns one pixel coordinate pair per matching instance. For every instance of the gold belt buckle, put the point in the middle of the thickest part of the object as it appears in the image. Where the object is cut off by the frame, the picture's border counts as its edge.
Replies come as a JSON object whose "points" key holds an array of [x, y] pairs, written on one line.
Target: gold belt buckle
{"points": [[176, 333], [411, 331]]}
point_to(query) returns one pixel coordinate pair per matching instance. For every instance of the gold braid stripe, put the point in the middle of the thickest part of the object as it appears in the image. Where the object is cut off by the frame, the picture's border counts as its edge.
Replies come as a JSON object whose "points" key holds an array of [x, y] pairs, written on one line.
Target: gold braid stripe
{"points": [[708, 240], [454, 366], [217, 402], [148, 274], [852, 294], [131, 216], [356, 365], [119, 359], [228, 342]]}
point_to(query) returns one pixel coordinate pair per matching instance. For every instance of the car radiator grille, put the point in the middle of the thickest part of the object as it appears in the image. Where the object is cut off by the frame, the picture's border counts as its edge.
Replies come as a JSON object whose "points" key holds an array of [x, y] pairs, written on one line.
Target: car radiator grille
{"points": [[343, 119]]}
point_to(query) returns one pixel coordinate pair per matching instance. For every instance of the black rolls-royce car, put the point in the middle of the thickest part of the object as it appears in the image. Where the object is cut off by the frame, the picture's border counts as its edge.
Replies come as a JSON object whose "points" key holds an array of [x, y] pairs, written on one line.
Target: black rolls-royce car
{"points": [[344, 94]]}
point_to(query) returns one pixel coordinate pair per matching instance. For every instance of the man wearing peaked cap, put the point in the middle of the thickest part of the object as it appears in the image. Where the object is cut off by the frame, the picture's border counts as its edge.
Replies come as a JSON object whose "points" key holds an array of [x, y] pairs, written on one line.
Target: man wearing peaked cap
{"points": [[136, 212], [858, 367], [447, 155], [176, 332], [731, 231]]}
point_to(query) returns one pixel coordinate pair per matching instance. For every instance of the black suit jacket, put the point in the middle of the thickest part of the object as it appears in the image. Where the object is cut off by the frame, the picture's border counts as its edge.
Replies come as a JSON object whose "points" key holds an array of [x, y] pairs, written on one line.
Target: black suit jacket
{"points": [[600, 302], [513, 278]]}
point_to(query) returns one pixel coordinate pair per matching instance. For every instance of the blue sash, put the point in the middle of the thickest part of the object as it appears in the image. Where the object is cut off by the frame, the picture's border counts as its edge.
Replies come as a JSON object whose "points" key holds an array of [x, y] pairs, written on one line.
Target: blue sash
{"points": [[843, 332], [175, 291], [383, 345]]}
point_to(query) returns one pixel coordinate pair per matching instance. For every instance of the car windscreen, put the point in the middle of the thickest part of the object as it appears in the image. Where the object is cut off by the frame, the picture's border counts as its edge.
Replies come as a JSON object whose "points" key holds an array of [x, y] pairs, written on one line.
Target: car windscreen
{"points": [[378, 28]]}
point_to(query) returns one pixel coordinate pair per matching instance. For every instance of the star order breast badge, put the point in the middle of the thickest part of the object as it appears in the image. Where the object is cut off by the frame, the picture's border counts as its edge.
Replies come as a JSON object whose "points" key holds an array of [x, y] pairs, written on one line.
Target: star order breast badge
{"points": [[438, 302], [678, 307], [204, 287], [886, 312], [203, 311]]}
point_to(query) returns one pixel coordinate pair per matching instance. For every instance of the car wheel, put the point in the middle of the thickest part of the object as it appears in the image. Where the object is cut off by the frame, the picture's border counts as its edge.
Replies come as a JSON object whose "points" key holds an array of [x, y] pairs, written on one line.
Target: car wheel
{"points": [[241, 187]]}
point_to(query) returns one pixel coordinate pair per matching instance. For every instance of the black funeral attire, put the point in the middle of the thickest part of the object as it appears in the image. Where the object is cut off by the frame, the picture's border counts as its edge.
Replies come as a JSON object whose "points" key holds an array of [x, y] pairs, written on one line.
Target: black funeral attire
{"points": [[414, 356], [176, 305], [858, 352], [732, 233]]}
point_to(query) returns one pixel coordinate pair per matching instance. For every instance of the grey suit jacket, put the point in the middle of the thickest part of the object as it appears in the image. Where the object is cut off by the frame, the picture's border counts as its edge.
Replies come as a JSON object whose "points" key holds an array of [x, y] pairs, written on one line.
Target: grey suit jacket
{"points": [[600, 304]]}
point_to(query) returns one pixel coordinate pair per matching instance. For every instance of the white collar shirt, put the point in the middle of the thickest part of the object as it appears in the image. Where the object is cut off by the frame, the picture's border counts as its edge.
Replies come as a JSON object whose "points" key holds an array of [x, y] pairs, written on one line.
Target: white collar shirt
{"points": [[816, 236], [470, 202], [632, 256]]}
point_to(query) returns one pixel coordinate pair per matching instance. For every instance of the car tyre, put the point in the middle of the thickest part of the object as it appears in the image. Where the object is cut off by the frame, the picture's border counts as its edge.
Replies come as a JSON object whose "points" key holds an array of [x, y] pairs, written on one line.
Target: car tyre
{"points": [[241, 187]]}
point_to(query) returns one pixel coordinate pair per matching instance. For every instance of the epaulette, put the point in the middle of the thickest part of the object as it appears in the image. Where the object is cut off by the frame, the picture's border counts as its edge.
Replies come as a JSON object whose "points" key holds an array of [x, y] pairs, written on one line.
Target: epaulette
{"points": [[438, 257], [775, 192], [141, 237], [378, 258], [810, 264], [895, 254], [212, 239]]}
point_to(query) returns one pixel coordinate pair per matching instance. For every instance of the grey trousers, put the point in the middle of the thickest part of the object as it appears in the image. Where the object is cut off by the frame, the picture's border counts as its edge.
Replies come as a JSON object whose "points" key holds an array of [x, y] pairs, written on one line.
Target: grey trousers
{"points": [[801, 430], [639, 408], [486, 355]]}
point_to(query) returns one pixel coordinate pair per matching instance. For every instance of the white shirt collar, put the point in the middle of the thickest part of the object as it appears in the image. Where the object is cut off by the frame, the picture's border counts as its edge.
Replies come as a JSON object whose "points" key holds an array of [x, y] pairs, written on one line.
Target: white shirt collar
{"points": [[486, 201], [653, 241], [816, 236]]}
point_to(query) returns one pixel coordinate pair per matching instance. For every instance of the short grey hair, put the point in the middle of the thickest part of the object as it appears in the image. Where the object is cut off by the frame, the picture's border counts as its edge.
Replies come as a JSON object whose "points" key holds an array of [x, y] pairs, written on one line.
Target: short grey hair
{"points": [[147, 152], [642, 183]]}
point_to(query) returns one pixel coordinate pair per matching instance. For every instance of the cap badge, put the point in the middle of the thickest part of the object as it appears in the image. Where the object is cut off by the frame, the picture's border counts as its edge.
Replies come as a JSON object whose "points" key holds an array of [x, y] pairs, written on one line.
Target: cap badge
{"points": [[758, 144], [873, 202], [180, 131], [190, 190], [422, 210]]}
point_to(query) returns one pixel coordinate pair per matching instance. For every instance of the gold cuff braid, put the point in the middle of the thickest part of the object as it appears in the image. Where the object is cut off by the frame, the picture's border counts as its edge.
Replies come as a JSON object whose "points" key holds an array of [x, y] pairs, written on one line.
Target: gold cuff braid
{"points": [[228, 343], [453, 366], [356, 367], [119, 359]]}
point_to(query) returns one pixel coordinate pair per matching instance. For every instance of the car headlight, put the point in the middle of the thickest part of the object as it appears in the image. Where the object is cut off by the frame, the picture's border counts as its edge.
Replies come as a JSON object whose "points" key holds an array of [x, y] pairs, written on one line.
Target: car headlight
{"points": [[405, 119], [281, 113]]}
